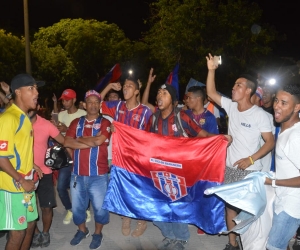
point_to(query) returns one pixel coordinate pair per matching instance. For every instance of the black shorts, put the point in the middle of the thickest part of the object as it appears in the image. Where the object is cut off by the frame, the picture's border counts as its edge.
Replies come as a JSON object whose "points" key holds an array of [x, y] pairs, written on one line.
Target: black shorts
{"points": [[45, 191]]}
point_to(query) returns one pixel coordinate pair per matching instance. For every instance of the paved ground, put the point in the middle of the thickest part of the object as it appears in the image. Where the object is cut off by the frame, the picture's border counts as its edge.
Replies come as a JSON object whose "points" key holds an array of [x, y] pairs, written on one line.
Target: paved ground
{"points": [[114, 240]]}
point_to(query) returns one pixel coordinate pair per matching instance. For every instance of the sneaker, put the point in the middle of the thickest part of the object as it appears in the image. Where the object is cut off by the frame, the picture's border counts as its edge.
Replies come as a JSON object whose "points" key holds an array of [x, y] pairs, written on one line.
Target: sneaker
{"points": [[68, 218], [296, 245], [79, 236], [96, 241], [126, 226], [45, 239], [140, 228], [167, 243], [231, 247], [36, 240], [179, 245], [88, 216], [200, 232]]}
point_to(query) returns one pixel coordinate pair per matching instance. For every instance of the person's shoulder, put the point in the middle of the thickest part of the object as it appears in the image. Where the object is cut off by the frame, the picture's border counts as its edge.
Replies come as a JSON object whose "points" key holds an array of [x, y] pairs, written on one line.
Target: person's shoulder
{"points": [[76, 120], [259, 111], [145, 107], [62, 113], [81, 112], [208, 114], [105, 120]]}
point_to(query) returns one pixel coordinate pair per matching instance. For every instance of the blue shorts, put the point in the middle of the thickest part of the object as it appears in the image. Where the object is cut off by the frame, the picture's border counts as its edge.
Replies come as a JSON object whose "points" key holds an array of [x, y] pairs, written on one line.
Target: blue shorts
{"points": [[89, 188], [283, 229]]}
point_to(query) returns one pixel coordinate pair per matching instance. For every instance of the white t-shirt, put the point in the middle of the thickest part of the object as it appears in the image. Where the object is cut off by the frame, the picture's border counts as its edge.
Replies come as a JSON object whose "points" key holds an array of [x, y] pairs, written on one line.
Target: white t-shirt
{"points": [[245, 128], [287, 160], [267, 160], [66, 118]]}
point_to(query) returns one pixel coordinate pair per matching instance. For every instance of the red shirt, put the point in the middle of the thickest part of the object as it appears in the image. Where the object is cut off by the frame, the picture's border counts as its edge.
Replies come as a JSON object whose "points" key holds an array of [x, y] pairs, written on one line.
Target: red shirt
{"points": [[91, 161]]}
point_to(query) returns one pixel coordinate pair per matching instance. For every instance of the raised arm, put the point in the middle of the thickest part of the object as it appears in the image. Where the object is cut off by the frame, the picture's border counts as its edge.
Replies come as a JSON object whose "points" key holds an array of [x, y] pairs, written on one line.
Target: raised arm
{"points": [[145, 98], [210, 82], [55, 108], [113, 85]]}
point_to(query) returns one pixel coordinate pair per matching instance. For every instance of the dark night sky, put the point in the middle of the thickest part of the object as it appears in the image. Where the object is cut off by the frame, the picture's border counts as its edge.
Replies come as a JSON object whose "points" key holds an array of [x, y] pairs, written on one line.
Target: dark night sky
{"points": [[129, 16]]}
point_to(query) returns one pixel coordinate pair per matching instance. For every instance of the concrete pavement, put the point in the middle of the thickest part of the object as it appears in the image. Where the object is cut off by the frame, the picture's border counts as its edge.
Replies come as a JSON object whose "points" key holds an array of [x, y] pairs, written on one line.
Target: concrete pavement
{"points": [[114, 240]]}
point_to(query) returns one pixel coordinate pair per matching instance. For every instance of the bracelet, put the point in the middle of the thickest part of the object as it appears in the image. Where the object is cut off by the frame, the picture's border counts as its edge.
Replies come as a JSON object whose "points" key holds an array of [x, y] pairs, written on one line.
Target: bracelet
{"points": [[252, 162], [274, 183], [18, 180]]}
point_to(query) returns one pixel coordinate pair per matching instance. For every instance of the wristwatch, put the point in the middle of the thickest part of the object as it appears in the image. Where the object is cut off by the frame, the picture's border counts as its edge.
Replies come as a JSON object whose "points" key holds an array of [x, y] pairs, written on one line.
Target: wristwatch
{"points": [[273, 183]]}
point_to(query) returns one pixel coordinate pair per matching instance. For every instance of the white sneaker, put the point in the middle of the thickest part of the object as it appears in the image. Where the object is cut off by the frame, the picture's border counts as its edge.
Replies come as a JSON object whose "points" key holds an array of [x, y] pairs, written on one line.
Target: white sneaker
{"points": [[88, 216], [68, 218]]}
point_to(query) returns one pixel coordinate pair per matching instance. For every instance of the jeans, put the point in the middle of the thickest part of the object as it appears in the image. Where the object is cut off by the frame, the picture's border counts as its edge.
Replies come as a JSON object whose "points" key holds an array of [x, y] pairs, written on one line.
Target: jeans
{"points": [[283, 229], [63, 184], [89, 188], [173, 230]]}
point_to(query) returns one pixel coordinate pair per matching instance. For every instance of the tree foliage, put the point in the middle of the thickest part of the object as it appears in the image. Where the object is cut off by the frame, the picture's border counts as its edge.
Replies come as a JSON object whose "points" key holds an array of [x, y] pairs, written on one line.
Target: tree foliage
{"points": [[187, 30], [78, 52], [12, 55]]}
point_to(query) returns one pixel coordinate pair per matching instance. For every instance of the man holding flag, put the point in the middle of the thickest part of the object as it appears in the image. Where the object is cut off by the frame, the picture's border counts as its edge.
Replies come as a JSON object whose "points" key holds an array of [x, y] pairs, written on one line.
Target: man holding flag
{"points": [[166, 121], [132, 113]]}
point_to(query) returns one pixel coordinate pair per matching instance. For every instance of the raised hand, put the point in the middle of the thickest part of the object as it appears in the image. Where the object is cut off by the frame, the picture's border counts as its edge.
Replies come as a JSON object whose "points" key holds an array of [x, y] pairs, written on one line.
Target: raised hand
{"points": [[211, 63], [116, 86], [151, 77], [54, 98], [5, 87]]}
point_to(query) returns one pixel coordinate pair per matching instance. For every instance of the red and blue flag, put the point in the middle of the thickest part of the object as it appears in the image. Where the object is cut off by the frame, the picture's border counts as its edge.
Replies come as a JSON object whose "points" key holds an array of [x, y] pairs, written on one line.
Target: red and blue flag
{"points": [[163, 178], [173, 79], [112, 76]]}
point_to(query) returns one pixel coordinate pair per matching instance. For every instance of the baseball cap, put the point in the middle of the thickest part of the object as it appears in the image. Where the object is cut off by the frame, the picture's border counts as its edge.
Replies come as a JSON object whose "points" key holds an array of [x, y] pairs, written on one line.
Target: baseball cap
{"points": [[68, 94], [171, 90], [92, 93], [23, 80]]}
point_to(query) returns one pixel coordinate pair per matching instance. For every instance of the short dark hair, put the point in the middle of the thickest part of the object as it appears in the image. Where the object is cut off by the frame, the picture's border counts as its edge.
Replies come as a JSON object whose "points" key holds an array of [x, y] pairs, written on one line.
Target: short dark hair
{"points": [[251, 82], [113, 91], [198, 91], [134, 80], [293, 88]]}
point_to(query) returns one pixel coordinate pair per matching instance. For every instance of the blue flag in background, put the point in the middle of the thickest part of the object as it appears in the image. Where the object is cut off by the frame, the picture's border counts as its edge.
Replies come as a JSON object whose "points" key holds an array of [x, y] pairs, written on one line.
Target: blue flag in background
{"points": [[173, 79], [112, 76]]}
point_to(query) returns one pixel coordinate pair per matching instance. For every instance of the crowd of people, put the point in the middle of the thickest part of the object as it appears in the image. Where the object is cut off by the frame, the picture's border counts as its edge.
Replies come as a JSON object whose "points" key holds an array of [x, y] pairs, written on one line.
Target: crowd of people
{"points": [[258, 117]]}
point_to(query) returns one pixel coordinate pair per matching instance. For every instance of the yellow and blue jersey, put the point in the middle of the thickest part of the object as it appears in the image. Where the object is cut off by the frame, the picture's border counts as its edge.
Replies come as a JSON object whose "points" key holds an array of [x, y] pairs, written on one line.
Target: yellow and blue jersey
{"points": [[16, 144]]}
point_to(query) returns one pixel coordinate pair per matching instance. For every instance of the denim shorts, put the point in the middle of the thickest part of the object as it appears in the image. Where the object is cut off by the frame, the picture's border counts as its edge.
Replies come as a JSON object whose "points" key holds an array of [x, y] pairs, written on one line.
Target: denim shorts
{"points": [[284, 227], [89, 188]]}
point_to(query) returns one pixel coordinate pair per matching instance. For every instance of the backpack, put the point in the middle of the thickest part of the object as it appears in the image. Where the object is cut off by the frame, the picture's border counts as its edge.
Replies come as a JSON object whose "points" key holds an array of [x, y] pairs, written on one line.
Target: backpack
{"points": [[177, 120]]}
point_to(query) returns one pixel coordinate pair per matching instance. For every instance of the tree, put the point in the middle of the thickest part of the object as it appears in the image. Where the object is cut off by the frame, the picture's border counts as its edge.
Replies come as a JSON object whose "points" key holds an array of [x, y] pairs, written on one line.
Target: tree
{"points": [[187, 30], [12, 56], [77, 52]]}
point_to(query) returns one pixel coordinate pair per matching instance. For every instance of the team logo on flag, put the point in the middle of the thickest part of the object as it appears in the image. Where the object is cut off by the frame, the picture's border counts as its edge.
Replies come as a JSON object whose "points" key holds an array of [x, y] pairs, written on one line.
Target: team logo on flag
{"points": [[3, 145], [171, 185]]}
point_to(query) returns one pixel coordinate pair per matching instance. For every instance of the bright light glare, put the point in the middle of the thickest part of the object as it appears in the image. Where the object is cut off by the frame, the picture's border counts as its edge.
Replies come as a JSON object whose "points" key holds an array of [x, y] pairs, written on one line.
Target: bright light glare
{"points": [[130, 72], [272, 81]]}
